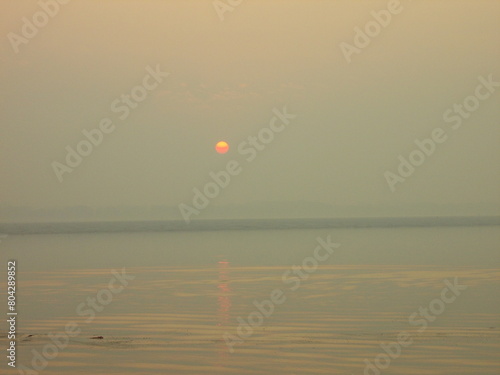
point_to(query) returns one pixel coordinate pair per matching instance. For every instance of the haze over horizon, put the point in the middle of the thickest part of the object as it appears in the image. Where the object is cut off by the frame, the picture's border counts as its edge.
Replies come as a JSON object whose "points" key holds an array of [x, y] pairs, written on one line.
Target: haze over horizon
{"points": [[257, 210], [225, 80]]}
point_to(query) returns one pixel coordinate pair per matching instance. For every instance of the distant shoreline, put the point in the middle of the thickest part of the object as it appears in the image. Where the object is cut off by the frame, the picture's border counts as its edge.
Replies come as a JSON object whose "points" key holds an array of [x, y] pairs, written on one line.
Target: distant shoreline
{"points": [[244, 224]]}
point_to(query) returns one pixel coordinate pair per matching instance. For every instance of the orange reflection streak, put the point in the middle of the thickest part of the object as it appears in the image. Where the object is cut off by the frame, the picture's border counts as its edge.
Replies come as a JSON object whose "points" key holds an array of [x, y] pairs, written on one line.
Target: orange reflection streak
{"points": [[223, 311], [224, 291]]}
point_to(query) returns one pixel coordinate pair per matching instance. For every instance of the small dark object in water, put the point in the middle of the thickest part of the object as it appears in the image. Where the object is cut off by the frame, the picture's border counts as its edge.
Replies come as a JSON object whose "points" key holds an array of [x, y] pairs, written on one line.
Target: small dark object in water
{"points": [[97, 337]]}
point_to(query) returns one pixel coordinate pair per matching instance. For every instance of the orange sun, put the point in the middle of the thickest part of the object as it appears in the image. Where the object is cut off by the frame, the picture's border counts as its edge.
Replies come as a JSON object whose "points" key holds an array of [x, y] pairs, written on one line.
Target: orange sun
{"points": [[222, 147]]}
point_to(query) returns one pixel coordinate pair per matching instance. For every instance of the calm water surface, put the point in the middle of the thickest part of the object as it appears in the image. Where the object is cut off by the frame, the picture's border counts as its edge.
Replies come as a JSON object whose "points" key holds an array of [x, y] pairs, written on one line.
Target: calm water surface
{"points": [[190, 290]]}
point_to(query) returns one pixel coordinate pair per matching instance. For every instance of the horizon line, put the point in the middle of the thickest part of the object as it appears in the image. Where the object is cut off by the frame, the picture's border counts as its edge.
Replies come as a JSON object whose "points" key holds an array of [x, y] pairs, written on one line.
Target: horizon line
{"points": [[218, 224]]}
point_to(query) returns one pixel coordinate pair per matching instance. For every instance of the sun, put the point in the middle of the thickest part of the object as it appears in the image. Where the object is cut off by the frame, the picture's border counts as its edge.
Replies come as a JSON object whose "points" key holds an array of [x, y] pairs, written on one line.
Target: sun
{"points": [[222, 147]]}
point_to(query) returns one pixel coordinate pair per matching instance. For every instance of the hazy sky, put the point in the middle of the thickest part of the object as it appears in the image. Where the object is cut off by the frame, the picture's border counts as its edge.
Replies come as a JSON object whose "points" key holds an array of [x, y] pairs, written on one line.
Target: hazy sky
{"points": [[225, 77]]}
